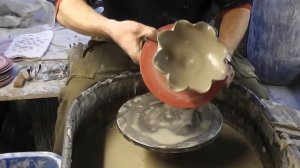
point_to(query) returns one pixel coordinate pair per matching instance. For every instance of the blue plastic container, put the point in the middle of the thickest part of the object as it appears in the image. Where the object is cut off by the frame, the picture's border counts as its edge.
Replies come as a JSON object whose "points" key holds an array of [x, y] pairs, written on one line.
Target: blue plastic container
{"points": [[274, 40], [30, 160]]}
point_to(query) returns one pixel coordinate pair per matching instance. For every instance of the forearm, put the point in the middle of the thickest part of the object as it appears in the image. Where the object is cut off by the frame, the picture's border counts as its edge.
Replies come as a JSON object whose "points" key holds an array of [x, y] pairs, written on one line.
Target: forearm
{"points": [[233, 27], [78, 16]]}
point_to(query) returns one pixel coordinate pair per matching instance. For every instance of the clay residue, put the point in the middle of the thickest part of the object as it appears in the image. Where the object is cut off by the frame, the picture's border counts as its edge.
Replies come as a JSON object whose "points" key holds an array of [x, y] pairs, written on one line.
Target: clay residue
{"points": [[150, 123], [230, 150]]}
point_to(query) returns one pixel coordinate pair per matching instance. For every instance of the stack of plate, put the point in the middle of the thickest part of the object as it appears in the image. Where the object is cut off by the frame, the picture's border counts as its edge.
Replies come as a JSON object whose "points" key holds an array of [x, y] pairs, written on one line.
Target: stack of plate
{"points": [[6, 71]]}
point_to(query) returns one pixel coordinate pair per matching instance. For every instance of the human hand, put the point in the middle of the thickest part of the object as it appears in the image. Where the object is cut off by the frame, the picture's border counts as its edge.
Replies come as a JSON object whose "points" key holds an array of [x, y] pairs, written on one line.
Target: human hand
{"points": [[130, 36]]}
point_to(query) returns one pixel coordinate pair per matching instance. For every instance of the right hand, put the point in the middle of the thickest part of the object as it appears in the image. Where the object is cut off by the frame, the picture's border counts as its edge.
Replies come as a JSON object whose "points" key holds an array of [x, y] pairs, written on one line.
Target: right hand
{"points": [[130, 36]]}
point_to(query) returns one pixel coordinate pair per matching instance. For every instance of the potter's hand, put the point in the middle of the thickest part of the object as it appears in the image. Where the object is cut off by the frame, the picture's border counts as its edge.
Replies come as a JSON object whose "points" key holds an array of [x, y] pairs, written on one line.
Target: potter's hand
{"points": [[130, 36]]}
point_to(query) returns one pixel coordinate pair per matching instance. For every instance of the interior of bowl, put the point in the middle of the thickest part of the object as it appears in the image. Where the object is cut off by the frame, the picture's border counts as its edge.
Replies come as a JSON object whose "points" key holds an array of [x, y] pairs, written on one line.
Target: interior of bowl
{"points": [[158, 84], [190, 56]]}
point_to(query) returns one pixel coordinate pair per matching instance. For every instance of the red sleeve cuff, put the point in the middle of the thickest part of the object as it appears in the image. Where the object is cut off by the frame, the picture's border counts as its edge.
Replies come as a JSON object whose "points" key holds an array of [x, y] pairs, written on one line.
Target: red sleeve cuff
{"points": [[246, 6]]}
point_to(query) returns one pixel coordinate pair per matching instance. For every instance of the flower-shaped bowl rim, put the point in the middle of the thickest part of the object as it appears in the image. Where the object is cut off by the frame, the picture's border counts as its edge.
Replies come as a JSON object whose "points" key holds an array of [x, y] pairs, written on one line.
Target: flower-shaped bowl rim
{"points": [[159, 87], [177, 31]]}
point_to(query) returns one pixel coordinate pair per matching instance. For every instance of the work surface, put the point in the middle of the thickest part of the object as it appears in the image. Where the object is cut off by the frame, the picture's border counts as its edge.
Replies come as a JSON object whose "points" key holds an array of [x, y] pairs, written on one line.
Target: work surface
{"points": [[63, 40], [33, 89]]}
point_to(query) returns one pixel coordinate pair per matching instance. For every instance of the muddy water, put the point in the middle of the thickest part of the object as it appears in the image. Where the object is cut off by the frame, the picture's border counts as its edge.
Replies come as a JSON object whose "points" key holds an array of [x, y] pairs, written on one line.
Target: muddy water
{"points": [[230, 150]]}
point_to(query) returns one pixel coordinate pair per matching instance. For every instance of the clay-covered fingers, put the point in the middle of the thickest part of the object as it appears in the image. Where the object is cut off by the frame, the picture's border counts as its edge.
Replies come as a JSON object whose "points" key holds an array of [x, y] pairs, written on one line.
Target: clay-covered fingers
{"points": [[149, 33]]}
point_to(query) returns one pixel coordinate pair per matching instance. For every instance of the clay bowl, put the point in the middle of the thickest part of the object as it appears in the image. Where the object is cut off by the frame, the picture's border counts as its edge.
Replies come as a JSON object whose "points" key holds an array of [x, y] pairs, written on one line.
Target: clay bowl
{"points": [[157, 72]]}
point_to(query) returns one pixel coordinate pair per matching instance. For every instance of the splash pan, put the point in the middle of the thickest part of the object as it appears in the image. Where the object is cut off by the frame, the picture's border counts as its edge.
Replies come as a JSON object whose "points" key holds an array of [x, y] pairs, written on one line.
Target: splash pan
{"points": [[152, 124]]}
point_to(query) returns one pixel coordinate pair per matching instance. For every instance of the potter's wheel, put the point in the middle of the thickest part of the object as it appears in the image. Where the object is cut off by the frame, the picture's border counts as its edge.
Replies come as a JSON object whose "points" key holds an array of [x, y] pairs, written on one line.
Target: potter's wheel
{"points": [[148, 122]]}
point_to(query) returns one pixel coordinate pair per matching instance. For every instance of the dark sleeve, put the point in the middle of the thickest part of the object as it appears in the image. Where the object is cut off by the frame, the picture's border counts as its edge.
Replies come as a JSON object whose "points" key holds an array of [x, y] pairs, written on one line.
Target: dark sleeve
{"points": [[226, 4], [94, 3], [90, 2]]}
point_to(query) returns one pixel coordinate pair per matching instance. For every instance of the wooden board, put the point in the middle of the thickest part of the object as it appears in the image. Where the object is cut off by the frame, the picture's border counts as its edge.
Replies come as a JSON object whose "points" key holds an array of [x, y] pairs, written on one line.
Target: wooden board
{"points": [[32, 90]]}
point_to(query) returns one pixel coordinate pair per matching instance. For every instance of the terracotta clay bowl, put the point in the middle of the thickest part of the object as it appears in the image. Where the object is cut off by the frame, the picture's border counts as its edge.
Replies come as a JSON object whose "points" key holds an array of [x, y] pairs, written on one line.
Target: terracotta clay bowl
{"points": [[158, 83]]}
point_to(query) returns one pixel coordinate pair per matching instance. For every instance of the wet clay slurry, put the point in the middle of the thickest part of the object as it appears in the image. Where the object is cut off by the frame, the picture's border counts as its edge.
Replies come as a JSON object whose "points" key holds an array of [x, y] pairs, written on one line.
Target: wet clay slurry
{"points": [[230, 150]]}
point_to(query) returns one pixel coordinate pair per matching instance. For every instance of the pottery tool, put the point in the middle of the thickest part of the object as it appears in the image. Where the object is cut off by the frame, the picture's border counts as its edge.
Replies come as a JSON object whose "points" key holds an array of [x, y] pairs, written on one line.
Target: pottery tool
{"points": [[150, 123], [21, 79]]}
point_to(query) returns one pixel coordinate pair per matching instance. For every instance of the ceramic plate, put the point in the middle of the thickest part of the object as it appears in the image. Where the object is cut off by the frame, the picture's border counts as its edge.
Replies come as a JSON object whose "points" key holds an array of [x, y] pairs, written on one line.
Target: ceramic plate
{"points": [[6, 75], [3, 62], [6, 82], [5, 69]]}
